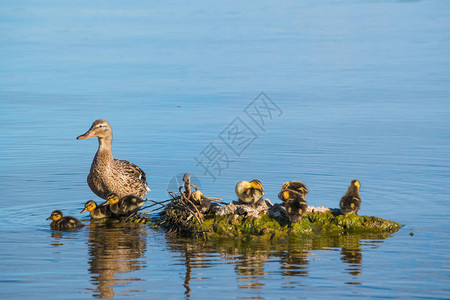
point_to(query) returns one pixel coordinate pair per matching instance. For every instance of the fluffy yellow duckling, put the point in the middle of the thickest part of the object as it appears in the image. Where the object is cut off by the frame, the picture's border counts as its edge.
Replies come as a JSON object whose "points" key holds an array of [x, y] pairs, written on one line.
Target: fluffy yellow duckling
{"points": [[197, 196], [125, 206], [295, 204], [297, 186], [200, 201], [351, 201], [249, 192], [63, 223], [96, 212], [109, 175]]}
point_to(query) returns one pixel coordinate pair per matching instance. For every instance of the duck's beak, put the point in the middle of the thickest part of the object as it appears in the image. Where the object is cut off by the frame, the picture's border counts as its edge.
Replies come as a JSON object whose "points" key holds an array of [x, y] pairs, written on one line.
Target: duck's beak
{"points": [[49, 218], [84, 210], [87, 135]]}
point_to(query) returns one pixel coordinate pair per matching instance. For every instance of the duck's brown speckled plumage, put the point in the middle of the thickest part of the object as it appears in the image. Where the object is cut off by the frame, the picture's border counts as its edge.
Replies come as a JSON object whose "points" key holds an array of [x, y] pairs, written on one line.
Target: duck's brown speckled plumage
{"points": [[351, 202], [109, 175]]}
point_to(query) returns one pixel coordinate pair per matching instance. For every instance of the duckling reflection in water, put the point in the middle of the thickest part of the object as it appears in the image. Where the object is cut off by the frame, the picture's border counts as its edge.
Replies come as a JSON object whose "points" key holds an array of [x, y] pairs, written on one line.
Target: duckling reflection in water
{"points": [[351, 201], [125, 206], [115, 250], [96, 211], [354, 258], [249, 192], [59, 222], [295, 204]]}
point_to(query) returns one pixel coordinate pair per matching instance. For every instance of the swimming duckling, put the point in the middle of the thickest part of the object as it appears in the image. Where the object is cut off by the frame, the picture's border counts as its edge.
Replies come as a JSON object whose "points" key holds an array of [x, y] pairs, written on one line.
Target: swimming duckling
{"points": [[295, 204], [351, 201], [249, 192], [63, 223], [125, 206], [96, 211], [201, 201], [297, 186]]}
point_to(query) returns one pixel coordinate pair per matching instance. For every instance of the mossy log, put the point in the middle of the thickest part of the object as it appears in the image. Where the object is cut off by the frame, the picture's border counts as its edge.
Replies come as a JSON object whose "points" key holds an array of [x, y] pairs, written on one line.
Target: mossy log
{"points": [[270, 222]]}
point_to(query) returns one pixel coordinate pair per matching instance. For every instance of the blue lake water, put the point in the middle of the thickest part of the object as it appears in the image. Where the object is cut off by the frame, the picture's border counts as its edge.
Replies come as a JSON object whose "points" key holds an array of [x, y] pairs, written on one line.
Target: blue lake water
{"points": [[357, 89]]}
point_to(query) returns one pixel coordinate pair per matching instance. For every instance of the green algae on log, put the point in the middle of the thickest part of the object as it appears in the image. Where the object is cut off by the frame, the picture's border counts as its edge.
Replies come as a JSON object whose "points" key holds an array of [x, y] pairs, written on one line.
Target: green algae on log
{"points": [[271, 223]]}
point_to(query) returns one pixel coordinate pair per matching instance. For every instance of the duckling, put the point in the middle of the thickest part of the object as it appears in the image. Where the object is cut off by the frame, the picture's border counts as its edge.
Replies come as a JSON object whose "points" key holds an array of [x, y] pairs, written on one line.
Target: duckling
{"points": [[297, 186], [63, 223], [96, 211], [197, 196], [109, 175], [201, 201], [249, 192], [295, 204], [125, 206], [351, 201]]}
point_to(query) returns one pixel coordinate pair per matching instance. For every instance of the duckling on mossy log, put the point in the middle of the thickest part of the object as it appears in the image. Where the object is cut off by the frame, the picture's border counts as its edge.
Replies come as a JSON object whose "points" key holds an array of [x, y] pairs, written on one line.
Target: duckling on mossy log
{"points": [[271, 223]]}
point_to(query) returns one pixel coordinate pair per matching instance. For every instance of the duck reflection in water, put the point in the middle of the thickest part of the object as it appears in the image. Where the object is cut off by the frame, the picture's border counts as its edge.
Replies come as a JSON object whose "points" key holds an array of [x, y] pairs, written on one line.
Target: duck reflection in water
{"points": [[294, 262], [249, 268], [195, 256], [251, 259], [354, 258], [114, 249], [351, 254]]}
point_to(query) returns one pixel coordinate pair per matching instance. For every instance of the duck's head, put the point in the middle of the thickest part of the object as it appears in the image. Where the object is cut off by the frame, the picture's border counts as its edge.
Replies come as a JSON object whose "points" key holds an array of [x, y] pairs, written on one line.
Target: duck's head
{"points": [[112, 198], [89, 206], [296, 186], [356, 184], [256, 184], [285, 195], [354, 187], [100, 128], [56, 215]]}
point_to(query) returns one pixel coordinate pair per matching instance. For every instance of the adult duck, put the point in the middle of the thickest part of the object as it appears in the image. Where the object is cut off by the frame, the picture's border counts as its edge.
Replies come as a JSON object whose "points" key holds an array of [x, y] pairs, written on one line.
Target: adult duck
{"points": [[109, 175]]}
